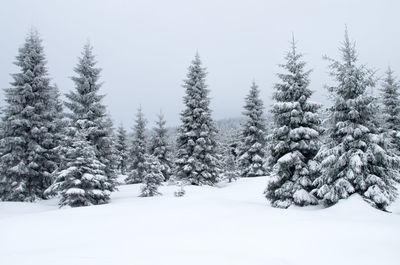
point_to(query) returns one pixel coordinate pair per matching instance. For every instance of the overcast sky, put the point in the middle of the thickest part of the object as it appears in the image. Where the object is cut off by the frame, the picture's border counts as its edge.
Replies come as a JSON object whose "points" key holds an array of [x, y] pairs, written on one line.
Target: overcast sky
{"points": [[145, 47]]}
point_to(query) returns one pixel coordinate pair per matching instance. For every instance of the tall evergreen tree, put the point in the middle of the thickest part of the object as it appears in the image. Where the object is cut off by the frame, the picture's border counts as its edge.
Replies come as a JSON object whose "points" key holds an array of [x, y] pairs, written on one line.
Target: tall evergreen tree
{"points": [[29, 127], [252, 154], [159, 146], [355, 157], [138, 150], [390, 95], [295, 138], [121, 147], [86, 104], [196, 158]]}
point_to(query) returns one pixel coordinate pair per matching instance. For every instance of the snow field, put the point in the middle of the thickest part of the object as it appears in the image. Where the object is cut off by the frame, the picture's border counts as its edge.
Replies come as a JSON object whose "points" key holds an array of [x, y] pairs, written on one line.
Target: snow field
{"points": [[230, 224]]}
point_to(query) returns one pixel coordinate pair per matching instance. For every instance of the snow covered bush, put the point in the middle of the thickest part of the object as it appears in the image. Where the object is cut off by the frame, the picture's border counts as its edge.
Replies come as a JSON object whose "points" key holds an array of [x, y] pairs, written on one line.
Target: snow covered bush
{"points": [[180, 191]]}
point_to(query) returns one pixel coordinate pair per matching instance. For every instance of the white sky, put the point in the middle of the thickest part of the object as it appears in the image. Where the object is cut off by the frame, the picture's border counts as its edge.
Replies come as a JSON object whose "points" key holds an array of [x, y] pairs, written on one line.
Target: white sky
{"points": [[145, 47]]}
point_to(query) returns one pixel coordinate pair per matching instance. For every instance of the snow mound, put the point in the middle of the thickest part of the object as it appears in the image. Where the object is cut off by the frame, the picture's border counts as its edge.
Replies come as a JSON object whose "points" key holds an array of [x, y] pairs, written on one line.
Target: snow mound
{"points": [[353, 205]]}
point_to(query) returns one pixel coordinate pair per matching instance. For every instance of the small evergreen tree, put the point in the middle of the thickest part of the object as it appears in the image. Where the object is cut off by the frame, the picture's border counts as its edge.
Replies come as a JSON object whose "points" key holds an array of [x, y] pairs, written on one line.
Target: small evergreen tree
{"points": [[85, 104], [231, 171], [229, 143], [251, 158], [152, 176], [83, 182], [295, 138], [196, 145], [121, 147], [159, 147], [355, 159], [391, 109], [29, 137], [138, 150]]}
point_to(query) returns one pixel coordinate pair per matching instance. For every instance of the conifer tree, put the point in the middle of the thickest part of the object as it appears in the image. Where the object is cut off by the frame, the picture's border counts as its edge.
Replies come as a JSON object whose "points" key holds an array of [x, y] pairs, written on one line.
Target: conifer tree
{"points": [[196, 145], [295, 138], [83, 182], [159, 147], [228, 145], [61, 124], [29, 127], [121, 147], [86, 104], [390, 95], [355, 158], [152, 176], [251, 158], [138, 150]]}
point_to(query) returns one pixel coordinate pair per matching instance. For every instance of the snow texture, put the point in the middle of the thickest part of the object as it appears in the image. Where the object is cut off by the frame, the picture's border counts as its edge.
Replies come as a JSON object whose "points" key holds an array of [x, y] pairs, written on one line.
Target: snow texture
{"points": [[227, 225]]}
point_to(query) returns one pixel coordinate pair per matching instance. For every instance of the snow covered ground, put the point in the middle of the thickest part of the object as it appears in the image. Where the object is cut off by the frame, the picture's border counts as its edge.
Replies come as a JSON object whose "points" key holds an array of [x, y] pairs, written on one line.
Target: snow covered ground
{"points": [[231, 224]]}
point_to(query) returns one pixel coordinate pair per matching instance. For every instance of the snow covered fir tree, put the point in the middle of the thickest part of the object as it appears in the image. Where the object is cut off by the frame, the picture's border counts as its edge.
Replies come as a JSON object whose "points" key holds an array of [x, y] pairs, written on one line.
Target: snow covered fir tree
{"points": [[30, 131], [252, 154], [138, 150], [390, 96], [85, 104], [83, 182], [295, 137], [229, 145], [196, 162], [159, 147], [355, 158], [121, 148], [152, 176]]}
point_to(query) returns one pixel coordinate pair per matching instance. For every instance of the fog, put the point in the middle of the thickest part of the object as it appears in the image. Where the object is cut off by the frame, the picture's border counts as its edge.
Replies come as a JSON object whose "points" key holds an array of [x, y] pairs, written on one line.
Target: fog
{"points": [[145, 47]]}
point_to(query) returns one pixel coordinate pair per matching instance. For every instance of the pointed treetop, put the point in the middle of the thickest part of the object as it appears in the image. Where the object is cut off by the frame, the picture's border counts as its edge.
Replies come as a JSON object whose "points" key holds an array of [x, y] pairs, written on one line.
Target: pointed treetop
{"points": [[253, 84], [389, 73], [293, 44], [348, 49], [32, 52]]}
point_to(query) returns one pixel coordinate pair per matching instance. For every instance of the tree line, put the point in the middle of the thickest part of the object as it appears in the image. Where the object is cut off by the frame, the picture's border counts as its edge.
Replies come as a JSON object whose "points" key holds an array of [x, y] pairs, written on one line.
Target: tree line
{"points": [[310, 155]]}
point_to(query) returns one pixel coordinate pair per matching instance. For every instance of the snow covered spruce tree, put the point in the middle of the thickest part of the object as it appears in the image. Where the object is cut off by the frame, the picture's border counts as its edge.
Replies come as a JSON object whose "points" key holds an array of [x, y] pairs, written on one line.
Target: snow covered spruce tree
{"points": [[85, 104], [196, 145], [251, 157], [152, 176], [121, 147], [228, 145], [30, 133], [295, 138], [355, 158], [390, 96], [138, 150], [159, 147], [83, 182]]}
